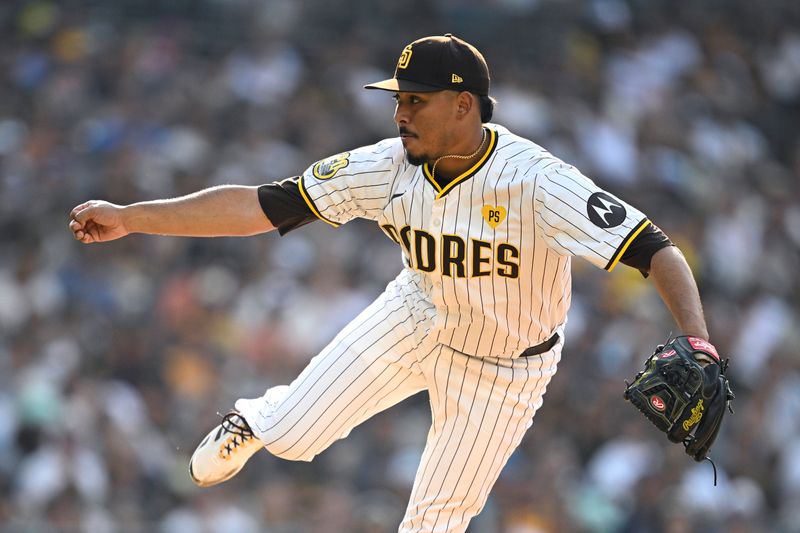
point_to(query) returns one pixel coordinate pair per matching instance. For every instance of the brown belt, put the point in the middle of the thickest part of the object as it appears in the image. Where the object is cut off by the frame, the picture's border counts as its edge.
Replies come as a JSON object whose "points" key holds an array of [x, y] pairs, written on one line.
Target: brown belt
{"points": [[541, 347]]}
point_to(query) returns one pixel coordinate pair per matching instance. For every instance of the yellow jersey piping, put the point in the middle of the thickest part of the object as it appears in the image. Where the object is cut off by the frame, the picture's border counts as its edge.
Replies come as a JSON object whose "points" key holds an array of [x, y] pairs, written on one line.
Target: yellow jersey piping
{"points": [[627, 242], [470, 172], [311, 205]]}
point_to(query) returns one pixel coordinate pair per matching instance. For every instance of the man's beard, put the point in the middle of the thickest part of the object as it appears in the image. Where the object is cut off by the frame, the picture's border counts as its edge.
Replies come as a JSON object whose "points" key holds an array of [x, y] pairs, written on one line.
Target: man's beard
{"points": [[415, 160]]}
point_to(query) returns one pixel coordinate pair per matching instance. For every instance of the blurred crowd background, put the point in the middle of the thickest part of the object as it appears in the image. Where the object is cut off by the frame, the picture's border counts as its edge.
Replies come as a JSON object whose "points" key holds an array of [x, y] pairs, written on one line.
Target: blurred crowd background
{"points": [[116, 359]]}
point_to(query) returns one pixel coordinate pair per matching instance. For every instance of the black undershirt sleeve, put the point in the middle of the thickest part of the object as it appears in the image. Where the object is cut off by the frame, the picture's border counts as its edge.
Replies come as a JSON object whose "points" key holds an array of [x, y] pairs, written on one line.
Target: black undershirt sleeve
{"points": [[643, 247], [284, 206]]}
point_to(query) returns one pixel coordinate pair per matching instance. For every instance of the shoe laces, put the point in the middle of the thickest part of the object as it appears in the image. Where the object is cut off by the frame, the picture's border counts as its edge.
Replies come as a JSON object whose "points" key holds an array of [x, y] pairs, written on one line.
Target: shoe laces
{"points": [[238, 434]]}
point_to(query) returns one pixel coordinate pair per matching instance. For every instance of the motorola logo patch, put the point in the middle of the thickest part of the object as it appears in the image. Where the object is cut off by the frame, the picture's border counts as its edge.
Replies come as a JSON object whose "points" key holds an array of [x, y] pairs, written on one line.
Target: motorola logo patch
{"points": [[604, 210]]}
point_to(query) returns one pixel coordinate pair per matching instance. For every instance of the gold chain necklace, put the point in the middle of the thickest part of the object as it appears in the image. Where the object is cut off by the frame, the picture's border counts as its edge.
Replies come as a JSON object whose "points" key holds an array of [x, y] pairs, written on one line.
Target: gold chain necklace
{"points": [[470, 156]]}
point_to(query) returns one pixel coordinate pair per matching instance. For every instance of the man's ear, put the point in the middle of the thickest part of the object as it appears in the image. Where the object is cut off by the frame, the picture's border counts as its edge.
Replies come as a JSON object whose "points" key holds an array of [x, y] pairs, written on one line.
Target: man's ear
{"points": [[465, 101]]}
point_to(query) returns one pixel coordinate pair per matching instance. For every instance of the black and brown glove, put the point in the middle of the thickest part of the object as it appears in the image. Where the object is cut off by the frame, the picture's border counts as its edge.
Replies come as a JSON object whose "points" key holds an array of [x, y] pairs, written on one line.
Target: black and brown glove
{"points": [[683, 397]]}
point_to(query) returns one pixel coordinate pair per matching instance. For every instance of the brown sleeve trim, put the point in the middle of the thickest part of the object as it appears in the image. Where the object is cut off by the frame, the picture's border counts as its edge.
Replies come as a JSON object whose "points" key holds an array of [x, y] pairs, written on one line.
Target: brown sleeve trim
{"points": [[641, 250], [284, 205], [626, 242]]}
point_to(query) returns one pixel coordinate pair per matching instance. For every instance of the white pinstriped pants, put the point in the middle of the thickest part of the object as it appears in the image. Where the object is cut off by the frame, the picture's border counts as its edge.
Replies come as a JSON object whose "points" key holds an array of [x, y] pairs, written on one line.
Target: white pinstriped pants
{"points": [[481, 407]]}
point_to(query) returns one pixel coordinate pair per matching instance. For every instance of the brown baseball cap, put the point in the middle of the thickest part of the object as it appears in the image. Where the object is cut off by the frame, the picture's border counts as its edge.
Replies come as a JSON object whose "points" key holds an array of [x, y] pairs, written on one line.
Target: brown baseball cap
{"points": [[437, 63]]}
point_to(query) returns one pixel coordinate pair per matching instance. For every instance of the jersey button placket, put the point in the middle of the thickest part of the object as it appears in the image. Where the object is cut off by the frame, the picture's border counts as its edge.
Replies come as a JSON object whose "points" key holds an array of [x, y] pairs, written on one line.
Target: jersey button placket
{"points": [[437, 217]]}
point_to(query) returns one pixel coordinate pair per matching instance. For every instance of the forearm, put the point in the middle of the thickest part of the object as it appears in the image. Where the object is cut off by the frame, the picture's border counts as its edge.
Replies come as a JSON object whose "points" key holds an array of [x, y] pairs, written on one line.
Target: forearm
{"points": [[675, 283], [228, 210]]}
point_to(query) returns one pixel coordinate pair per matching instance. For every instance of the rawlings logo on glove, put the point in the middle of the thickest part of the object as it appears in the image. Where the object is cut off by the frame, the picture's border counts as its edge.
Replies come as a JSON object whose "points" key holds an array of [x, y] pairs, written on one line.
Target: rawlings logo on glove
{"points": [[683, 397]]}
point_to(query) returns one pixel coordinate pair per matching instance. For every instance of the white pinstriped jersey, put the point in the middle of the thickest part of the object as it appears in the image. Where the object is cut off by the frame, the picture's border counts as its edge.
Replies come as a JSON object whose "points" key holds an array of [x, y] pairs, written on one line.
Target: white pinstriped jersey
{"points": [[487, 258]]}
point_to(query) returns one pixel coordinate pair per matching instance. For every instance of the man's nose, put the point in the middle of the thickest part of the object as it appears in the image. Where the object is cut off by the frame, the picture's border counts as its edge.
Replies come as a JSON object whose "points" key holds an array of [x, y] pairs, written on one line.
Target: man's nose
{"points": [[400, 115]]}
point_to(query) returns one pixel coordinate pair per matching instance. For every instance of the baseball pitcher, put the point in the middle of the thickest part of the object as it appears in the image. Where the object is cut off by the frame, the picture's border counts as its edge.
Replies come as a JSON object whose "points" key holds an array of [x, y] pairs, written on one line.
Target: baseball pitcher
{"points": [[487, 224]]}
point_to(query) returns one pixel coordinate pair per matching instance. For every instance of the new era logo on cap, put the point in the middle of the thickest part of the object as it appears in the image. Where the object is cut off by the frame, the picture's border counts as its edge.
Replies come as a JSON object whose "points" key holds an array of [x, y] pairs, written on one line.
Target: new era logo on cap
{"points": [[437, 63]]}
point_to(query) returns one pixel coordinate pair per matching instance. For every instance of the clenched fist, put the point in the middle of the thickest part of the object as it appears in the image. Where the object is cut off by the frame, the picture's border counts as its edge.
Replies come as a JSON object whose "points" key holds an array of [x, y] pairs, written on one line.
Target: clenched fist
{"points": [[97, 221]]}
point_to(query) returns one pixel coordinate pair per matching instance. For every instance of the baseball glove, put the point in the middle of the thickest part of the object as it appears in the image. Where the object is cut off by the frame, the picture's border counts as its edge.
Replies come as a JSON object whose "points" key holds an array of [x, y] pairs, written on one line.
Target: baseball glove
{"points": [[682, 397]]}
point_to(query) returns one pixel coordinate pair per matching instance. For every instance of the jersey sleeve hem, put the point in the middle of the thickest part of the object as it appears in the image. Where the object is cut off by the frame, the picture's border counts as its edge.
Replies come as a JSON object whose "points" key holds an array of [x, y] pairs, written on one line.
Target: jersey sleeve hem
{"points": [[310, 203], [612, 263]]}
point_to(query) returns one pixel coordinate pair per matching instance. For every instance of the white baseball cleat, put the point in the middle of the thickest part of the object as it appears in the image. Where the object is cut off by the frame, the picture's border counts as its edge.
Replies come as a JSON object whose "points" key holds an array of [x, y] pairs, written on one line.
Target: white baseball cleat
{"points": [[224, 451]]}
